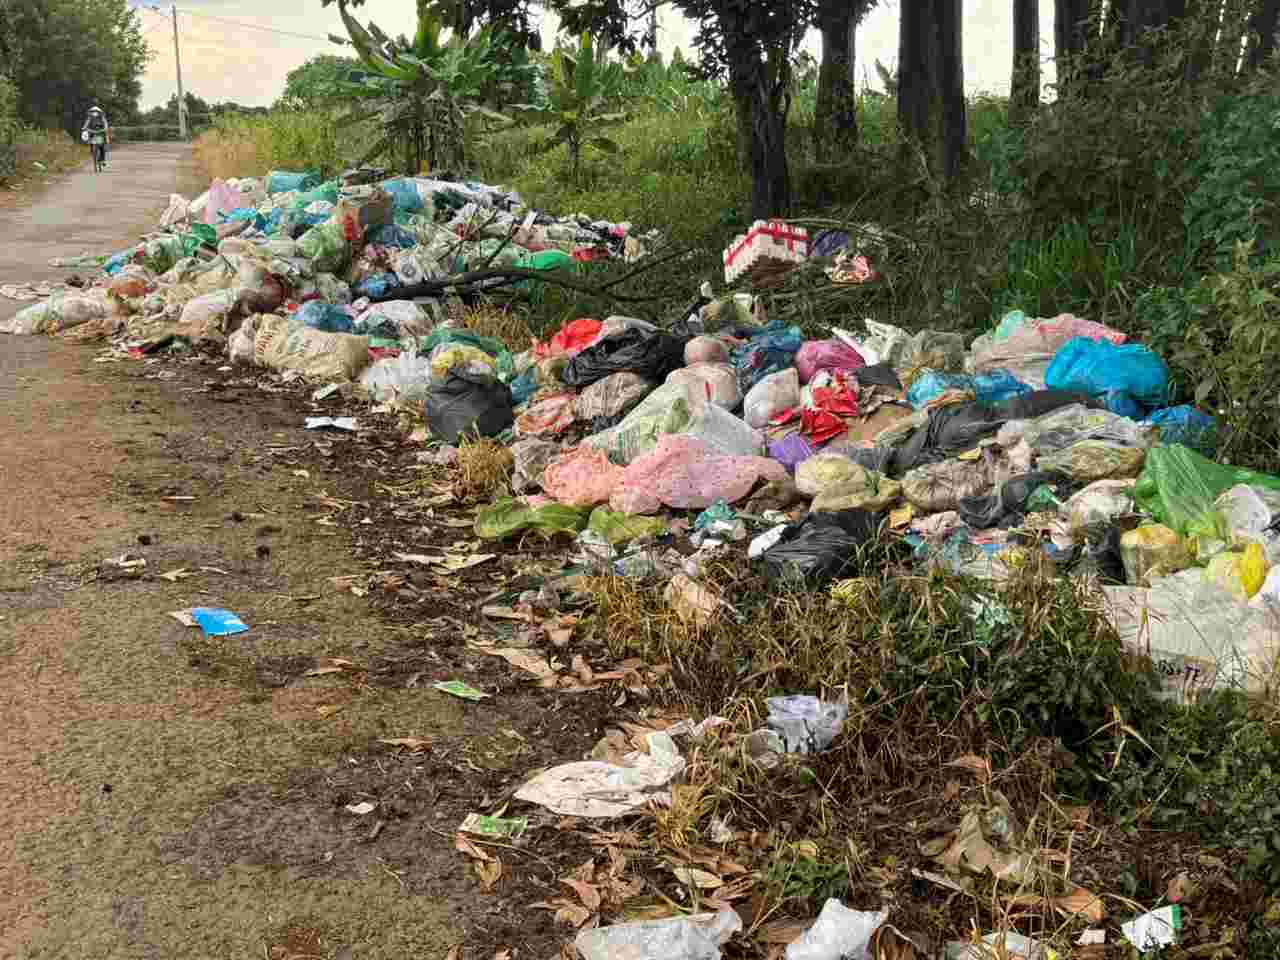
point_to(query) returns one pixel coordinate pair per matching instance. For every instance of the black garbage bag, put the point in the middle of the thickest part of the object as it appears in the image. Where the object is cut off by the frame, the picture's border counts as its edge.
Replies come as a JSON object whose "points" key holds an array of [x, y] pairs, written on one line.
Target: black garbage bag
{"points": [[1037, 403], [651, 354], [820, 546], [878, 375], [468, 404], [1100, 552], [1007, 505], [950, 430]]}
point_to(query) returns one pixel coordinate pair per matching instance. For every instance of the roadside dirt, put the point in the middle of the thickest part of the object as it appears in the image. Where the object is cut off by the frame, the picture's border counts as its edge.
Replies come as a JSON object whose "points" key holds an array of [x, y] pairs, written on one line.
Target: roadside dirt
{"points": [[172, 796]]}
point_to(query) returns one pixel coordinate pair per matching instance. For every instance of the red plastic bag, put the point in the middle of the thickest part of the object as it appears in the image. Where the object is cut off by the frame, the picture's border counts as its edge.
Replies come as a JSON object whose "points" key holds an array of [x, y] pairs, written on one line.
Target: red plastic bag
{"points": [[574, 337]]}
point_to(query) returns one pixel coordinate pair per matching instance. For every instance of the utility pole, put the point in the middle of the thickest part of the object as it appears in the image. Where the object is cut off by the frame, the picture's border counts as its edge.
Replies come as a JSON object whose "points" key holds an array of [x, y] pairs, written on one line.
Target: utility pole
{"points": [[177, 59]]}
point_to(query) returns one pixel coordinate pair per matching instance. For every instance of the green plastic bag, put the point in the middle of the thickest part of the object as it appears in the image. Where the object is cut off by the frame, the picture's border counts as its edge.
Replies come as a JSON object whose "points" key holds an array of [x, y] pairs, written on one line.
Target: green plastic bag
{"points": [[326, 247], [507, 516], [504, 363], [201, 235], [325, 193], [1178, 488], [619, 528]]}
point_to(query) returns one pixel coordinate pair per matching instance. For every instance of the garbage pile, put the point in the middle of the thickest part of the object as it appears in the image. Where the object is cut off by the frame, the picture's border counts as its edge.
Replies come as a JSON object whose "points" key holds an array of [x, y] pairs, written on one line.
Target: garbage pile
{"points": [[1050, 439]]}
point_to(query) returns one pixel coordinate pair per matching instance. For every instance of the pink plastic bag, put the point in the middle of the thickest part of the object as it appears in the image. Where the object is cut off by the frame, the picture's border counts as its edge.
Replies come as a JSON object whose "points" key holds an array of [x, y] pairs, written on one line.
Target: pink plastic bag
{"points": [[1067, 326], [222, 199], [547, 417], [706, 350], [714, 382], [685, 473], [581, 478], [817, 355]]}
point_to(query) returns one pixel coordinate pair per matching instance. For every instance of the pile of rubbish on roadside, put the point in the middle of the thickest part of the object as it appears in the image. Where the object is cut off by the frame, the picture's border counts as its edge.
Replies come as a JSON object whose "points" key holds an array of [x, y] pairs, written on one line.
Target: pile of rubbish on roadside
{"points": [[1046, 439]]}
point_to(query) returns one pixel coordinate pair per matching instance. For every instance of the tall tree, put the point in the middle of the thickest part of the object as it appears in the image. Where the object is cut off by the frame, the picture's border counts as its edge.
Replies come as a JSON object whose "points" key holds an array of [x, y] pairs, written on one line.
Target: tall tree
{"points": [[1070, 39], [1264, 23], [1024, 85], [316, 81], [931, 106], [835, 125]]}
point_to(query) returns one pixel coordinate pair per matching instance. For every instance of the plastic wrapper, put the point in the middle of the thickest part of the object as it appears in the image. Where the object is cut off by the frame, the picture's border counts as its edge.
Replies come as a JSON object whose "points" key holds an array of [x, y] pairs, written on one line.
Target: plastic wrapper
{"points": [[467, 405], [1091, 460], [1097, 367], [687, 473], [941, 486], [1149, 548], [768, 351], [706, 349], [581, 477], [824, 470], [392, 320], [1100, 502], [1240, 574], [281, 345], [571, 339], [547, 417], [400, 379], [510, 516], [326, 317], [1071, 424], [772, 395], [1178, 488], [618, 528], [1187, 426], [531, 457], [696, 937], [997, 385], [651, 355], [612, 396], [714, 382], [931, 384], [838, 934], [818, 355], [821, 546], [806, 724]]}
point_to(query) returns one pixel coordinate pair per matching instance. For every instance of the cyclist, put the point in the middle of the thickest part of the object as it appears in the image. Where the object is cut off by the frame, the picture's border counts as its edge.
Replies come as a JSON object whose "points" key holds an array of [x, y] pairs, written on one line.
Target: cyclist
{"points": [[96, 124]]}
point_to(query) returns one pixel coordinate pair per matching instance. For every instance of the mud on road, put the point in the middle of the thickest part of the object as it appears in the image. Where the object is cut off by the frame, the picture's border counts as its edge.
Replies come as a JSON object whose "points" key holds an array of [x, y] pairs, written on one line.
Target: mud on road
{"points": [[170, 796]]}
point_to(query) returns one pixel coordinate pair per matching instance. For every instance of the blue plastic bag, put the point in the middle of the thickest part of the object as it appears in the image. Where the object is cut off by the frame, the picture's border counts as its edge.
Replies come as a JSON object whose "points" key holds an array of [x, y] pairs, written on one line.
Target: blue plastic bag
{"points": [[391, 235], [932, 384], [376, 285], [524, 386], [1097, 367], [118, 262], [1122, 403], [770, 350], [326, 317], [281, 181], [404, 195], [996, 385], [216, 622], [1188, 426], [1010, 322]]}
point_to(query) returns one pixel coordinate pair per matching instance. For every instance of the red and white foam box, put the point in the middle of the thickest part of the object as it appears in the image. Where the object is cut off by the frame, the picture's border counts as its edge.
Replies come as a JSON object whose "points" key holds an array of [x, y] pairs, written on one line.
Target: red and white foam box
{"points": [[767, 240]]}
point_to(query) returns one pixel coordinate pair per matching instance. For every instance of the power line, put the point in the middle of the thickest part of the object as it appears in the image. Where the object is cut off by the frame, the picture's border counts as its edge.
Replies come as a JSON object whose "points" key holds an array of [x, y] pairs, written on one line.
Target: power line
{"points": [[254, 26]]}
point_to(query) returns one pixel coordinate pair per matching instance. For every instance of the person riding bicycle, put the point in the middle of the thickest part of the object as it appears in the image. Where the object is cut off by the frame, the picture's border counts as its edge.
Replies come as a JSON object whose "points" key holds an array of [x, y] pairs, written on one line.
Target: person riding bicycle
{"points": [[96, 124]]}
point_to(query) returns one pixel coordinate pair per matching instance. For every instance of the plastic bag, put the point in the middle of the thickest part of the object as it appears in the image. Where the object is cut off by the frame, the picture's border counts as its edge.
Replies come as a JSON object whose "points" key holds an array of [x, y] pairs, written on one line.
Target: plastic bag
{"points": [[572, 338], [931, 384], [768, 351], [665, 410], [1178, 488], [934, 350], [502, 360], [838, 934], [326, 247], [467, 405], [1071, 424], [392, 320], [806, 724], [1187, 426], [1100, 502], [547, 417], [415, 265], [820, 546], [941, 486], [1251, 515], [723, 432], [1091, 460], [326, 317], [651, 355], [706, 350], [512, 515], [1008, 503], [996, 385], [1097, 367], [696, 937], [399, 379], [713, 382], [818, 355], [792, 450], [612, 396], [581, 477], [1240, 574], [205, 318], [281, 181], [531, 458], [824, 470], [461, 357], [404, 195], [1152, 547], [772, 395], [686, 473], [617, 528], [281, 345], [240, 343]]}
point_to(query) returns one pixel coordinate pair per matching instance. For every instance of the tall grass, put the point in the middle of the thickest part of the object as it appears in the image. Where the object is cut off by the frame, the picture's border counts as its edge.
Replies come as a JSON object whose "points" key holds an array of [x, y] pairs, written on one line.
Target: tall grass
{"points": [[241, 146]]}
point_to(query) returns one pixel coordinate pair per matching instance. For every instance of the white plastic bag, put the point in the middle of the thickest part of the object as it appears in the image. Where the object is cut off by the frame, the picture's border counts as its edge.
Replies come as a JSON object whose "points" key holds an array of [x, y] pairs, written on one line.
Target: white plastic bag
{"points": [[771, 396], [839, 933], [240, 343], [696, 937], [398, 379]]}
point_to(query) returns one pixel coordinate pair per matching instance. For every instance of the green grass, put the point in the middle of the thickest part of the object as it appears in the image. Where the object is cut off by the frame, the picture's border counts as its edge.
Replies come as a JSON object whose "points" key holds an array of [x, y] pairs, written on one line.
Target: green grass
{"points": [[241, 146], [41, 153]]}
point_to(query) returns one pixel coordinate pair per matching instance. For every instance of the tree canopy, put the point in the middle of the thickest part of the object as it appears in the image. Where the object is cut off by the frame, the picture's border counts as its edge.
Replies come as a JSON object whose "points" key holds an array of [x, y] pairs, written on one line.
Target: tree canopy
{"points": [[316, 81]]}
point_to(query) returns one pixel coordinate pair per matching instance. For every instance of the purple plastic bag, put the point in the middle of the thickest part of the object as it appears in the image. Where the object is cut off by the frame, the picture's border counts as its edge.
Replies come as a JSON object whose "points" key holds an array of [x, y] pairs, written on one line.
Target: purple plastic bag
{"points": [[817, 355], [792, 450]]}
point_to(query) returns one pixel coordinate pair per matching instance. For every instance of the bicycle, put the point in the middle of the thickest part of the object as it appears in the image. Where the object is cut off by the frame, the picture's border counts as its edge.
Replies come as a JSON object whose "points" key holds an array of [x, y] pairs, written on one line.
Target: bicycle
{"points": [[98, 147]]}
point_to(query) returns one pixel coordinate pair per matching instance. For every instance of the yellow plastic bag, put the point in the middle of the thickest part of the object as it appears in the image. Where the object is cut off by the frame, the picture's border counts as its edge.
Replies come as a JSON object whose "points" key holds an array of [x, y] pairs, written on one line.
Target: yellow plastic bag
{"points": [[1240, 574], [1148, 548]]}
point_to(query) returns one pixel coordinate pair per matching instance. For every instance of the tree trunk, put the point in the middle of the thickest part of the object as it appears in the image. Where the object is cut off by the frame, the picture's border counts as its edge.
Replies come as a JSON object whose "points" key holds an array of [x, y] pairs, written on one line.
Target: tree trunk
{"points": [[762, 121], [1024, 86], [931, 106], [1070, 30], [1263, 26], [835, 120]]}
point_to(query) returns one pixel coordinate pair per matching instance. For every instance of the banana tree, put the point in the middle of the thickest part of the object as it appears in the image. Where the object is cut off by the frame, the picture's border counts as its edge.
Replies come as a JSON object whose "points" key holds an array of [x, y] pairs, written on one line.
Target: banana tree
{"points": [[429, 96], [580, 86]]}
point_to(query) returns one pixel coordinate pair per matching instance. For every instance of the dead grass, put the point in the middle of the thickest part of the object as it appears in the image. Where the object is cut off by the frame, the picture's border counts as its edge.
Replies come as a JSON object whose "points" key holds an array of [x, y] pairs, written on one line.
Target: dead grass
{"points": [[482, 471], [220, 155], [509, 326], [52, 150]]}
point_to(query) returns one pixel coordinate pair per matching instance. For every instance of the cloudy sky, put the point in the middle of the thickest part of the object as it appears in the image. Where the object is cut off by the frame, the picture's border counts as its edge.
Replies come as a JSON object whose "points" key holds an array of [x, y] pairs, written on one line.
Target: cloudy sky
{"points": [[233, 50]]}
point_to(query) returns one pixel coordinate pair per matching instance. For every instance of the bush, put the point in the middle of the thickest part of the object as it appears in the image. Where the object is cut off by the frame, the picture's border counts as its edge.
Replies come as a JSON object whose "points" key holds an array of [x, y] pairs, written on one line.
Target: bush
{"points": [[9, 127]]}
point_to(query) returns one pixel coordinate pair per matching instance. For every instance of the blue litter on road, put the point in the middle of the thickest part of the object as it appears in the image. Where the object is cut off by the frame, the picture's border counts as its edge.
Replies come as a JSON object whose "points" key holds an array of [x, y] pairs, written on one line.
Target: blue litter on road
{"points": [[218, 623]]}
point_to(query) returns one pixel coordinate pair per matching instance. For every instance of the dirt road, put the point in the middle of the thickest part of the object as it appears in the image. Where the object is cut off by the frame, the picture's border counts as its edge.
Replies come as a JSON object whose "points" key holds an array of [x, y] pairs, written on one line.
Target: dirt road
{"points": [[168, 796]]}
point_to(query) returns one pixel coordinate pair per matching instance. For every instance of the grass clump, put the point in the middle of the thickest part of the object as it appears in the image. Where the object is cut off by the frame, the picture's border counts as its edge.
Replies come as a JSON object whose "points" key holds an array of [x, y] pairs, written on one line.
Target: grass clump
{"points": [[508, 325], [482, 471], [246, 146]]}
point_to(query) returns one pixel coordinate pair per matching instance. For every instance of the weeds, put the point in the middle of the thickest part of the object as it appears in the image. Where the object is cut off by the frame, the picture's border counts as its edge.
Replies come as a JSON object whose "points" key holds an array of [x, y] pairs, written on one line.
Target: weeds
{"points": [[482, 471], [241, 146]]}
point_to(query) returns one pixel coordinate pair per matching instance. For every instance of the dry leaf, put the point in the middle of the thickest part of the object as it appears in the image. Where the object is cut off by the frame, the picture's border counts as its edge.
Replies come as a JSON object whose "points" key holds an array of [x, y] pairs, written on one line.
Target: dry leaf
{"points": [[784, 932], [455, 952], [701, 879], [328, 709], [173, 576], [489, 872], [523, 659], [1078, 816], [465, 846], [588, 892], [412, 744], [566, 911], [1181, 888], [1080, 902], [974, 763], [952, 790], [502, 953], [323, 671]]}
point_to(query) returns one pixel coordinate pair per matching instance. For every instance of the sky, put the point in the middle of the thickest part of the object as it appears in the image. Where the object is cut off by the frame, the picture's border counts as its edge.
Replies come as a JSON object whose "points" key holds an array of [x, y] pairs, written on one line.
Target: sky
{"points": [[232, 50]]}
